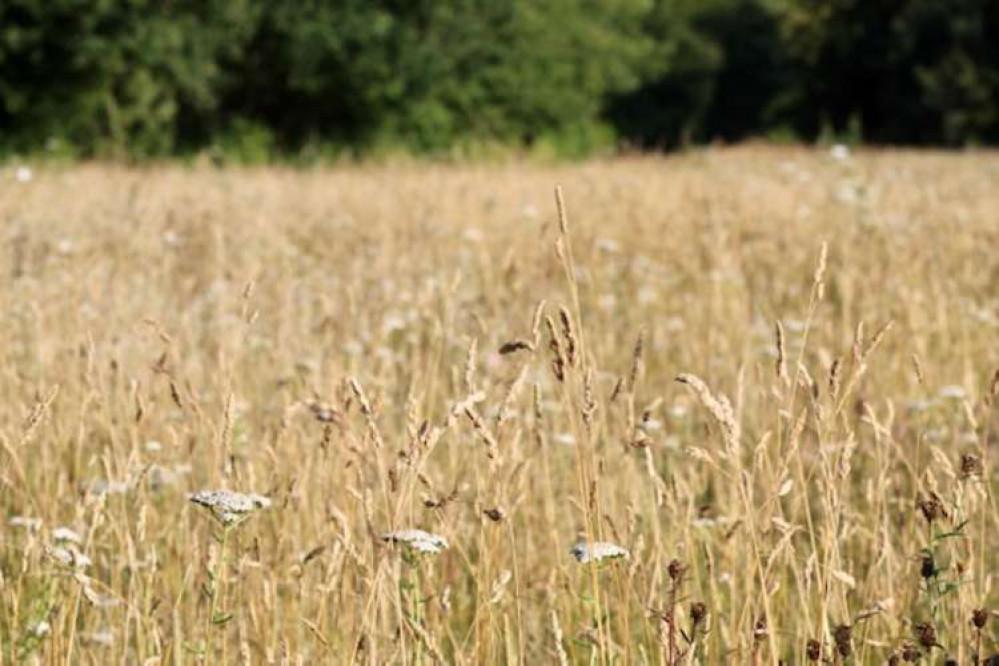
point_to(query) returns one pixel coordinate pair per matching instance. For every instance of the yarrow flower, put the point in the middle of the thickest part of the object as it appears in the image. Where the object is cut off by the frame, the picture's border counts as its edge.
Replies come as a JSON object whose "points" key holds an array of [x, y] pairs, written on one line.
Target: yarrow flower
{"points": [[229, 508], [30, 524], [67, 535], [417, 540], [596, 551], [69, 556]]}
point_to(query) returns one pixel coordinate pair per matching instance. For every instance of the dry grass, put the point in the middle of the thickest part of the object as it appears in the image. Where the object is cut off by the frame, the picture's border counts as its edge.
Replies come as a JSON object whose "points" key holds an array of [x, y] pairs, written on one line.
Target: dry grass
{"points": [[331, 340]]}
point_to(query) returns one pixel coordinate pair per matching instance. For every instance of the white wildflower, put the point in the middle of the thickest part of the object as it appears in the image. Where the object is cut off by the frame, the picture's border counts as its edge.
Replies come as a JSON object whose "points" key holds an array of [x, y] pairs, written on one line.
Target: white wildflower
{"points": [[953, 392], [30, 524], [109, 487], [24, 174], [69, 556], [418, 540], [839, 152], [67, 535], [227, 507], [596, 551], [608, 245], [565, 438], [40, 629], [104, 638]]}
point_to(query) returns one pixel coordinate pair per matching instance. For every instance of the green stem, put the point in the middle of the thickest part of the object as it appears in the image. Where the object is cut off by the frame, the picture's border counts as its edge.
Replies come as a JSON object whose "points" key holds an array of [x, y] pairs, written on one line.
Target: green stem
{"points": [[218, 590]]}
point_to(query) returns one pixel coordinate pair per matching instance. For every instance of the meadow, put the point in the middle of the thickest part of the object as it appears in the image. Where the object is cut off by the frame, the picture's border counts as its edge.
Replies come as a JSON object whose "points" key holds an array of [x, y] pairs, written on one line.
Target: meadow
{"points": [[762, 378]]}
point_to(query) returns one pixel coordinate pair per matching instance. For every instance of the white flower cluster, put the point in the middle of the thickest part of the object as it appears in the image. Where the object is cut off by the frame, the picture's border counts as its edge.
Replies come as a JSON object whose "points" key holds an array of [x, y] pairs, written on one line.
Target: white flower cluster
{"points": [[418, 540], [227, 507], [595, 551]]}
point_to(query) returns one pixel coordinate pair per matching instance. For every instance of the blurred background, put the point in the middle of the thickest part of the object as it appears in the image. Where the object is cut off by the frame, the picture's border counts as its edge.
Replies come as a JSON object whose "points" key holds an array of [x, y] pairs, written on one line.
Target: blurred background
{"points": [[255, 80]]}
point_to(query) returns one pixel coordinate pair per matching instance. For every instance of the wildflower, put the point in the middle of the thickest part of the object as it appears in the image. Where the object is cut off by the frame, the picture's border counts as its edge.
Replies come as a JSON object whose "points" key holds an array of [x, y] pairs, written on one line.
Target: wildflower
{"points": [[30, 524], [66, 534], [417, 540], [69, 556], [41, 629], [104, 638], [839, 152], [229, 508], [953, 392], [109, 487], [596, 551]]}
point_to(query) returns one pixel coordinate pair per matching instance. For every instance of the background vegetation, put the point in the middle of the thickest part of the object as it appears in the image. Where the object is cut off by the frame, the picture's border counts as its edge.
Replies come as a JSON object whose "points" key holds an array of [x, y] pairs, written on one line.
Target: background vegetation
{"points": [[252, 79]]}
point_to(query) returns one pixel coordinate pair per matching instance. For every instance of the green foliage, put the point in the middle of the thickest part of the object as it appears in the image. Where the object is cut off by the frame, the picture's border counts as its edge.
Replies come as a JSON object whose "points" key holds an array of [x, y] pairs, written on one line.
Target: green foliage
{"points": [[254, 80], [912, 71]]}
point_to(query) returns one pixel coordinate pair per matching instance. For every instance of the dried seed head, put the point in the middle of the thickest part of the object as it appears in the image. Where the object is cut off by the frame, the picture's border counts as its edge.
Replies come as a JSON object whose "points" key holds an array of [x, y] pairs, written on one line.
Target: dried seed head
{"points": [[675, 570], [917, 365], [718, 406], [496, 514], [820, 271], [698, 612], [931, 506], [558, 362], [926, 634], [843, 637], [515, 346], [760, 630], [569, 334], [636, 362], [835, 378], [911, 653], [979, 618], [814, 650], [971, 465], [929, 567], [780, 366]]}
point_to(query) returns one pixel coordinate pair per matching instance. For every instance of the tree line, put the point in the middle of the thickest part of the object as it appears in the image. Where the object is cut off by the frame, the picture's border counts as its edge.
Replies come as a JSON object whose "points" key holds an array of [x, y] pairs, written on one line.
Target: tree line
{"points": [[263, 78]]}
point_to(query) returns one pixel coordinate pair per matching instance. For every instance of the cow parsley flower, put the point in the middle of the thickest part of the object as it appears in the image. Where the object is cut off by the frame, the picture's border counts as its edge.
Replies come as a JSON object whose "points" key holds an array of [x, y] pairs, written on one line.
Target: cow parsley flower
{"points": [[597, 551], [229, 508], [417, 540]]}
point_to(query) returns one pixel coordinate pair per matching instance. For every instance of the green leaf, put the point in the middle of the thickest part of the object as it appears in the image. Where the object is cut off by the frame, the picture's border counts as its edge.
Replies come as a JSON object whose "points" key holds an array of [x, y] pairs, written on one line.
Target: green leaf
{"points": [[221, 618]]}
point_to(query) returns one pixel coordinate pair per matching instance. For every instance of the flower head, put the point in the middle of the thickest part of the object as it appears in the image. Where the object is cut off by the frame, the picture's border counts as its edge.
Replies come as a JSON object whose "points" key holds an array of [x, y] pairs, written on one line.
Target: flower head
{"points": [[68, 556], [596, 551], [65, 534], [417, 540], [227, 507]]}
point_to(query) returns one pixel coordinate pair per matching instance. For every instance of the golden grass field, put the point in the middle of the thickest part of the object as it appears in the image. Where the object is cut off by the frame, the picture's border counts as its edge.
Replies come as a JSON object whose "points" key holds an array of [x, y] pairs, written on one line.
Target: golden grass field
{"points": [[330, 339]]}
